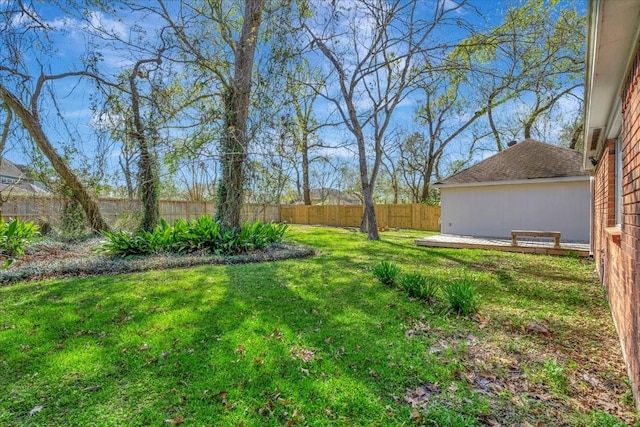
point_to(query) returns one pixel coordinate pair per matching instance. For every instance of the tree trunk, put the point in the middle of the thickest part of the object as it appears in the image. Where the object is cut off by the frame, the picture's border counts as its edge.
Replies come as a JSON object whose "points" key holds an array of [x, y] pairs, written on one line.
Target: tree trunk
{"points": [[369, 223], [79, 191], [428, 172], [148, 170], [237, 99], [306, 190]]}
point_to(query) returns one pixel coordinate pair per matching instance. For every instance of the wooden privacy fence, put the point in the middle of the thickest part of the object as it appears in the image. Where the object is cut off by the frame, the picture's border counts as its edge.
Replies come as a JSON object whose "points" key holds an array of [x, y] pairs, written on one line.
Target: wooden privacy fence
{"points": [[123, 212], [414, 216]]}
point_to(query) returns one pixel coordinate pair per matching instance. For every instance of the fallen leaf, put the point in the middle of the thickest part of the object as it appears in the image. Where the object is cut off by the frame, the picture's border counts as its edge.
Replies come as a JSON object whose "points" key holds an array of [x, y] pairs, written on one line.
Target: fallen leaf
{"points": [[373, 374], [223, 396], [421, 394], [304, 354], [539, 328], [276, 334], [328, 412], [175, 420], [483, 321], [35, 410], [490, 422], [144, 347], [305, 371], [240, 350], [416, 416]]}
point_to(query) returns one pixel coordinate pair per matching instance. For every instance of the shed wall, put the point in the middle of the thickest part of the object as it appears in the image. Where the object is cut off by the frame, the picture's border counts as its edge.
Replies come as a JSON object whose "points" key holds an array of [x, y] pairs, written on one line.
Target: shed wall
{"points": [[495, 210]]}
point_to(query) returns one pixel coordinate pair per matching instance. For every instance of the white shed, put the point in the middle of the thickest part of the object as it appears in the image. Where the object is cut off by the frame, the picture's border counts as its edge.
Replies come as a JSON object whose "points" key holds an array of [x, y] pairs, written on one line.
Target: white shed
{"points": [[529, 186]]}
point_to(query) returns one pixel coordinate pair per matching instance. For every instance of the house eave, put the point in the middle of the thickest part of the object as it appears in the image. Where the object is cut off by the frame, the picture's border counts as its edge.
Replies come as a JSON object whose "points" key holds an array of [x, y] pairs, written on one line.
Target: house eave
{"points": [[586, 178], [612, 37]]}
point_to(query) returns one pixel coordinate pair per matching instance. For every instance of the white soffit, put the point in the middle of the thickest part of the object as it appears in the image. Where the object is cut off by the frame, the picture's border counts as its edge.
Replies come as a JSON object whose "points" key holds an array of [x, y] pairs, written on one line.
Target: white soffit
{"points": [[612, 37]]}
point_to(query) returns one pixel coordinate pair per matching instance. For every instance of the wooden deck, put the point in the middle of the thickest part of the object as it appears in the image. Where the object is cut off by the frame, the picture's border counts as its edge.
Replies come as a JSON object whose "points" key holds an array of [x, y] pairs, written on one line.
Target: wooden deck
{"points": [[535, 246]]}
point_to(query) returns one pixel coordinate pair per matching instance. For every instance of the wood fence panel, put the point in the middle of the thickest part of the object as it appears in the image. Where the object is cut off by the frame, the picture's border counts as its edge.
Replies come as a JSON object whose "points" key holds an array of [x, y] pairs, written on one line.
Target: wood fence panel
{"points": [[415, 216], [33, 208], [353, 215], [402, 217], [333, 215], [124, 212], [316, 215], [429, 218], [382, 215], [288, 214], [264, 212]]}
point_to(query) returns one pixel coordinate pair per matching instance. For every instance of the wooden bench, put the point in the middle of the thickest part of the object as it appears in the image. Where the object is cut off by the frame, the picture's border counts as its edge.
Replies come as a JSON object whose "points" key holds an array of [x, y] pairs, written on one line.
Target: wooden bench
{"points": [[532, 233]]}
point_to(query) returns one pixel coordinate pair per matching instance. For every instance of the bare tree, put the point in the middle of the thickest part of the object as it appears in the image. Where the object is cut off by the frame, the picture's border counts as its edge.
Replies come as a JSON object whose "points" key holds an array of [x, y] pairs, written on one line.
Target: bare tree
{"points": [[31, 122], [373, 49], [24, 31], [535, 57]]}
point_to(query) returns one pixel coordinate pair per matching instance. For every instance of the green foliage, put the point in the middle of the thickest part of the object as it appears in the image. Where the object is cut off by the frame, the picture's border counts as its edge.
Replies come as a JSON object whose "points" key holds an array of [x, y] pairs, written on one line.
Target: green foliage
{"points": [[386, 272], [602, 419], [461, 296], [263, 344], [202, 234], [419, 286], [554, 374], [13, 236], [73, 220]]}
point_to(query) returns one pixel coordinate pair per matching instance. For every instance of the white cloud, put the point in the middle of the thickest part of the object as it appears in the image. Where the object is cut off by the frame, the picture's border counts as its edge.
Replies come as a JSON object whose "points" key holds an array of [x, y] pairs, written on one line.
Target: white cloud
{"points": [[99, 22]]}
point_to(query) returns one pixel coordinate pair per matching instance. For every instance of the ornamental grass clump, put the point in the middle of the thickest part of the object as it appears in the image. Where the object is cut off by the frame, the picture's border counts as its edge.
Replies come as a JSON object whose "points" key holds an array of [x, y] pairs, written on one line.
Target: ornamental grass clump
{"points": [[419, 286], [461, 296], [387, 273]]}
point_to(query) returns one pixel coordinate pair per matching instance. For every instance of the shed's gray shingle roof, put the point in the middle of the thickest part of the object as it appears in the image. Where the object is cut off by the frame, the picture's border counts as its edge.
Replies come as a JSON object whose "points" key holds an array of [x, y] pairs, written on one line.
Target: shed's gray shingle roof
{"points": [[528, 159]]}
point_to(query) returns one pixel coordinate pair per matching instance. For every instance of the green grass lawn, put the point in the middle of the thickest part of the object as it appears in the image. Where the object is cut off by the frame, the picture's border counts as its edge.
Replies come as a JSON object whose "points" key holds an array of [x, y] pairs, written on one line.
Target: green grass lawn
{"points": [[316, 342]]}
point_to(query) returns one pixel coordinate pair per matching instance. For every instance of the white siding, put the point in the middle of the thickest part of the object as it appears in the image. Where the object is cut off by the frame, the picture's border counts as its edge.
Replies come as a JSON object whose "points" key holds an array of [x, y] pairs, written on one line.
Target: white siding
{"points": [[495, 210]]}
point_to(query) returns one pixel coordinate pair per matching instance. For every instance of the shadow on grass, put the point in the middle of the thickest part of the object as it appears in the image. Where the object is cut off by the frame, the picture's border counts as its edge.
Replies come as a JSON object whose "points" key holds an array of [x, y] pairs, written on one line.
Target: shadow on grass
{"points": [[259, 344]]}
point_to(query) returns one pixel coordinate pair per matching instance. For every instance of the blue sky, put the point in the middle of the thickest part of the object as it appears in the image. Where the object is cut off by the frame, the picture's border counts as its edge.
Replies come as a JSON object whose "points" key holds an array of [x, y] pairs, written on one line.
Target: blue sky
{"points": [[75, 96]]}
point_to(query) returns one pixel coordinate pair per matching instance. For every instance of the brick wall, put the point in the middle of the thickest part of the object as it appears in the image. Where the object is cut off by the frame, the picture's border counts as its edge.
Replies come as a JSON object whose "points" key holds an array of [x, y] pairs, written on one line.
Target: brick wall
{"points": [[617, 248]]}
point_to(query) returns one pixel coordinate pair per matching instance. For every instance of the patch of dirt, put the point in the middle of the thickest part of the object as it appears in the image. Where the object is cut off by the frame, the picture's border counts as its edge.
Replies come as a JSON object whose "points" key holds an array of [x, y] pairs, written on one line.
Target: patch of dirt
{"points": [[511, 377]]}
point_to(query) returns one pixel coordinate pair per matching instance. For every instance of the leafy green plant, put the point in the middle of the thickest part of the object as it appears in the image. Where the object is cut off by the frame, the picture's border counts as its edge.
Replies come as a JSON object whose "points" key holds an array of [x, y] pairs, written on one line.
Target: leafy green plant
{"points": [[73, 219], [461, 296], [184, 236], [554, 374], [13, 236], [419, 286], [386, 272]]}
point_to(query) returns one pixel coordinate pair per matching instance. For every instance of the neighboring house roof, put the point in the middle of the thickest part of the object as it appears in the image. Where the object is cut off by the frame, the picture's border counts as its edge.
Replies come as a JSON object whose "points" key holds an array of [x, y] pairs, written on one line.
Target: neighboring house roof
{"points": [[8, 169], [332, 195], [525, 160], [14, 180]]}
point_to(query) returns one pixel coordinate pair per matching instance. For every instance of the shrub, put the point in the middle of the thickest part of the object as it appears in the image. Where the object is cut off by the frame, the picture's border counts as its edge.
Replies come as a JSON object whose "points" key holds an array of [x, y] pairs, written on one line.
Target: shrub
{"points": [[386, 272], [461, 296], [202, 234], [13, 236], [419, 286]]}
